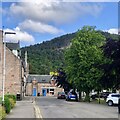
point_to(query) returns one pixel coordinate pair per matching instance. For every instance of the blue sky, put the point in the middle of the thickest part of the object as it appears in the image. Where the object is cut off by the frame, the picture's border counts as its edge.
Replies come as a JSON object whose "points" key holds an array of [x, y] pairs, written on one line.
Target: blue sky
{"points": [[35, 22]]}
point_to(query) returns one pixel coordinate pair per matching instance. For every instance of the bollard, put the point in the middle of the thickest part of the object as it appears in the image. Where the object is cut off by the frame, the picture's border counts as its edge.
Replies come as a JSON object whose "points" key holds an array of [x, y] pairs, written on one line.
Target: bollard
{"points": [[119, 105]]}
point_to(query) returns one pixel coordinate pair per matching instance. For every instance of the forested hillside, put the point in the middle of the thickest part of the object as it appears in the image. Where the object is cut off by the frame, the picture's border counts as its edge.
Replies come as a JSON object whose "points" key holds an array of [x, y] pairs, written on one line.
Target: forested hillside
{"points": [[49, 56]]}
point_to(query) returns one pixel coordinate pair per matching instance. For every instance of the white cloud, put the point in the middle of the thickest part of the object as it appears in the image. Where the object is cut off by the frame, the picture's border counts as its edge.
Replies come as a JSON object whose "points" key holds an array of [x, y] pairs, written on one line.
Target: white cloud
{"points": [[19, 36], [39, 27], [43, 16], [112, 31], [56, 12]]}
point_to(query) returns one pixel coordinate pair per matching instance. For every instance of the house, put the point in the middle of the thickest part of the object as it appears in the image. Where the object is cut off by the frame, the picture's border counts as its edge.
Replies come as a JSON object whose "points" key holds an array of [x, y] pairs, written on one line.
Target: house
{"points": [[14, 70], [15, 48], [41, 84]]}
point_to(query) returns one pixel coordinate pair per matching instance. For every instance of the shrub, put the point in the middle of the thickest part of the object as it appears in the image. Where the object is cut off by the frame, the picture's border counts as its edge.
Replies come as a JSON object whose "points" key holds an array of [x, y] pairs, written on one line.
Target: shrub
{"points": [[12, 102], [0, 100], [2, 112], [7, 105], [11, 96]]}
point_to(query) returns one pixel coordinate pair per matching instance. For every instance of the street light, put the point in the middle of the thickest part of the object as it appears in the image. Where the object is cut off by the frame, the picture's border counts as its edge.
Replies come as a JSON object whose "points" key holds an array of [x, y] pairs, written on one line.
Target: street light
{"points": [[4, 65]]}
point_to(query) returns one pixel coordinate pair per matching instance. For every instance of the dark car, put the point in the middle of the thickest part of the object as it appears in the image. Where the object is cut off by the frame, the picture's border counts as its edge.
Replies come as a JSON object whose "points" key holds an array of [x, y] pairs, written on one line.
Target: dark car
{"points": [[104, 94], [72, 95], [61, 95], [94, 96]]}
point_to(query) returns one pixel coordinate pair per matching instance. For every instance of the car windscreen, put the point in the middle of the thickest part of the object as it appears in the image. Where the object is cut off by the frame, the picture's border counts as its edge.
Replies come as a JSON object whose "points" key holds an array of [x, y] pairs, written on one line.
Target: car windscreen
{"points": [[116, 95]]}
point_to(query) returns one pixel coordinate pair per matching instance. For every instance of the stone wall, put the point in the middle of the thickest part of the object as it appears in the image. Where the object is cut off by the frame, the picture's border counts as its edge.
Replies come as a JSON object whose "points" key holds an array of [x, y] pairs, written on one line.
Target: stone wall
{"points": [[40, 86], [29, 89], [13, 71]]}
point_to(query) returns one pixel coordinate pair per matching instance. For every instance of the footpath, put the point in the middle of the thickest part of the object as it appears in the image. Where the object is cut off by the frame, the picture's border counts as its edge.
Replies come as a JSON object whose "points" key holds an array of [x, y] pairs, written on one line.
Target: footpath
{"points": [[23, 109]]}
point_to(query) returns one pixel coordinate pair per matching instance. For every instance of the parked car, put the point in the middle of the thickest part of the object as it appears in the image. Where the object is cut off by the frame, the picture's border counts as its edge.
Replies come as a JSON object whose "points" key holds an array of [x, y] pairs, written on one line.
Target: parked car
{"points": [[112, 99], [72, 95], [104, 94], [61, 95], [94, 96]]}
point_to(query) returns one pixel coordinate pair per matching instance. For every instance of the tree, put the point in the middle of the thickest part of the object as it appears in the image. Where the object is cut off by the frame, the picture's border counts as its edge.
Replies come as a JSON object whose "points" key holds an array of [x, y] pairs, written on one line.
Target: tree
{"points": [[111, 76], [83, 58], [62, 81]]}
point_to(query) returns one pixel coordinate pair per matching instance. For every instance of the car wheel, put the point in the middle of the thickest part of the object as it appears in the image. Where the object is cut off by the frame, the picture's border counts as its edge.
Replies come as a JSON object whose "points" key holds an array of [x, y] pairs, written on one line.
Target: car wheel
{"points": [[76, 100], [67, 99], [110, 103]]}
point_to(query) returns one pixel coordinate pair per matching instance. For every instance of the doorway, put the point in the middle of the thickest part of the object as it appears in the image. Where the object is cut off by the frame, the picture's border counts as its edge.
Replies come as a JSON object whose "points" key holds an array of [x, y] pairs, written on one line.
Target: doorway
{"points": [[34, 92], [44, 92]]}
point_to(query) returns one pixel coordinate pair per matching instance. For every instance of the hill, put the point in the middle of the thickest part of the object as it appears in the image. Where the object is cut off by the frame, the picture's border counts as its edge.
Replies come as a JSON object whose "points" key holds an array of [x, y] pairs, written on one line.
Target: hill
{"points": [[49, 55]]}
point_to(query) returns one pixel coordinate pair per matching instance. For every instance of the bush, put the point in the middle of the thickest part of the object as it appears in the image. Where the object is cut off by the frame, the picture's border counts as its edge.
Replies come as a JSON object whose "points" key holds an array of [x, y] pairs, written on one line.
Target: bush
{"points": [[11, 96], [12, 102], [87, 99], [2, 112], [7, 105], [9, 102], [0, 100]]}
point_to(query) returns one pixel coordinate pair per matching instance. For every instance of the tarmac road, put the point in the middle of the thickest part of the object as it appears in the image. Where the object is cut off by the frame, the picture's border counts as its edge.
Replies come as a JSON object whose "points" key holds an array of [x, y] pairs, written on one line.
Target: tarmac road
{"points": [[51, 107]]}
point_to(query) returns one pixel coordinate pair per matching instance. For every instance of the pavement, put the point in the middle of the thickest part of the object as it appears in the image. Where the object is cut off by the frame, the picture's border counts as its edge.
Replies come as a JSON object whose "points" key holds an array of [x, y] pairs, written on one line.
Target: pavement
{"points": [[25, 108]]}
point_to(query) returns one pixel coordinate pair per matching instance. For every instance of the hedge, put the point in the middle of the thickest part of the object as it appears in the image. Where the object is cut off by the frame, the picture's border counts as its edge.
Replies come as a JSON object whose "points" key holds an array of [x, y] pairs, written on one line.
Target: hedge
{"points": [[0, 100], [12, 102], [2, 112], [11, 96], [7, 105], [9, 102]]}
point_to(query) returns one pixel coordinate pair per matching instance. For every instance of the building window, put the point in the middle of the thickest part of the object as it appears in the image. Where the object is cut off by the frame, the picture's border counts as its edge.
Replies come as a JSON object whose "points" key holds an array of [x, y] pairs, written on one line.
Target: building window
{"points": [[47, 90], [52, 90], [43, 80]]}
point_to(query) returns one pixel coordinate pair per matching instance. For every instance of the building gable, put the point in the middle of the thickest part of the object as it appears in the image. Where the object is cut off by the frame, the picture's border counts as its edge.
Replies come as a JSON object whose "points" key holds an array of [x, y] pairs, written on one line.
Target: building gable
{"points": [[39, 78]]}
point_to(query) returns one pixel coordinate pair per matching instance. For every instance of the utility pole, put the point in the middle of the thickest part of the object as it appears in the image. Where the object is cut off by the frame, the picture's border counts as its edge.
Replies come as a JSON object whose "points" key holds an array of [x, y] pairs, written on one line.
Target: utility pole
{"points": [[25, 72]]}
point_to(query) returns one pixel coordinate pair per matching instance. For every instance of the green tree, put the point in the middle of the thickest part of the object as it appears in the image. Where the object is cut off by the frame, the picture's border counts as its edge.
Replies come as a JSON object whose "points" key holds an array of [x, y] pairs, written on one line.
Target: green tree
{"points": [[83, 58]]}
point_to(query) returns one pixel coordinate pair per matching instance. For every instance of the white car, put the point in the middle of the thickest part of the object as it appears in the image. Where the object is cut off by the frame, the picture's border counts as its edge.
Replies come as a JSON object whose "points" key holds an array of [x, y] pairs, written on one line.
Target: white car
{"points": [[113, 98]]}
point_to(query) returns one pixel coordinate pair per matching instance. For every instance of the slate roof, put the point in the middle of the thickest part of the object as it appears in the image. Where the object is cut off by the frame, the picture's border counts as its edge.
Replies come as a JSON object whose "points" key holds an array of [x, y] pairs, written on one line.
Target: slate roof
{"points": [[39, 78], [13, 46]]}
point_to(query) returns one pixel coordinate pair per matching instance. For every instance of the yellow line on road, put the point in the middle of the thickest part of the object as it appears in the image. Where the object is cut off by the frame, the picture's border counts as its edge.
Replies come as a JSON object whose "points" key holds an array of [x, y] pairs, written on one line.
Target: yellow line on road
{"points": [[37, 111]]}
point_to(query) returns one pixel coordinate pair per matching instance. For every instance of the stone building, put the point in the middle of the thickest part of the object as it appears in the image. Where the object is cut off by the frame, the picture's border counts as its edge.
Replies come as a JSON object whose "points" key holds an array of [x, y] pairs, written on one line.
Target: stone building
{"points": [[14, 72], [41, 84]]}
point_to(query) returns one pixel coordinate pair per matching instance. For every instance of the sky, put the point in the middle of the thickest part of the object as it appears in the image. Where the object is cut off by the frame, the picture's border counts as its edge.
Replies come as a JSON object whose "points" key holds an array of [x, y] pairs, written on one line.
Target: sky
{"points": [[38, 21]]}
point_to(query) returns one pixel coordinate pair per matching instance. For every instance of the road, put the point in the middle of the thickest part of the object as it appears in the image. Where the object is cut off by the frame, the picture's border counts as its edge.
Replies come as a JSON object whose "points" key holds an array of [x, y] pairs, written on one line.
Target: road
{"points": [[51, 107]]}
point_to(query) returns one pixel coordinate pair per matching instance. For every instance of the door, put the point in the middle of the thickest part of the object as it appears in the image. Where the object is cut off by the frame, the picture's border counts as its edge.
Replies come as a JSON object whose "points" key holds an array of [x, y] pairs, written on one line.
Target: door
{"points": [[44, 92], [34, 92]]}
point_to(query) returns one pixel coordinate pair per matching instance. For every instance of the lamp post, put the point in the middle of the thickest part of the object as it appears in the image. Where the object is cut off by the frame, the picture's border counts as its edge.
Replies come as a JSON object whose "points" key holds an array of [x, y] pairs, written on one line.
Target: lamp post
{"points": [[4, 65]]}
